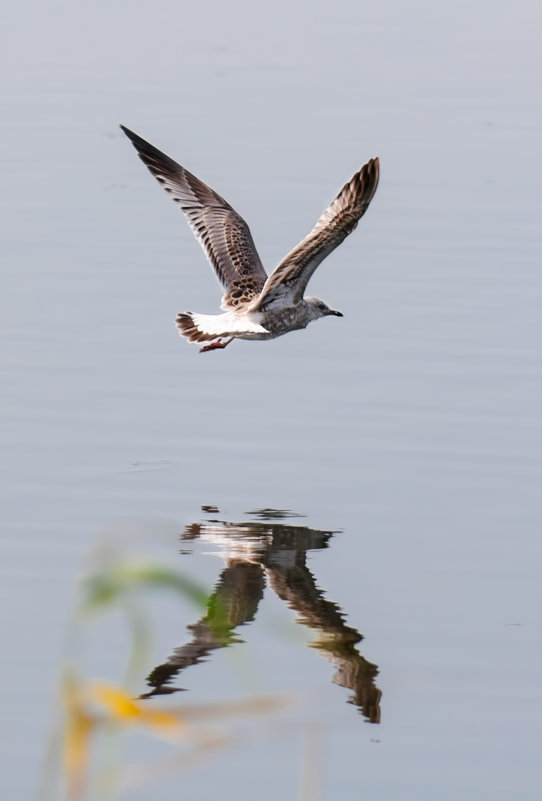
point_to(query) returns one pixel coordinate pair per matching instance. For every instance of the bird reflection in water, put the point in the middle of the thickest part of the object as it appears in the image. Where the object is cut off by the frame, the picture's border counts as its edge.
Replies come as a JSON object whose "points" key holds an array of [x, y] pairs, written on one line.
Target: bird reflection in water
{"points": [[267, 549]]}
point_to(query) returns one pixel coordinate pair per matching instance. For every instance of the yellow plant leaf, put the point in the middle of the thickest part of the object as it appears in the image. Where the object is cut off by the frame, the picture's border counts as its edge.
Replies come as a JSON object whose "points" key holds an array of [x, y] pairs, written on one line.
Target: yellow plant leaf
{"points": [[124, 709], [77, 732]]}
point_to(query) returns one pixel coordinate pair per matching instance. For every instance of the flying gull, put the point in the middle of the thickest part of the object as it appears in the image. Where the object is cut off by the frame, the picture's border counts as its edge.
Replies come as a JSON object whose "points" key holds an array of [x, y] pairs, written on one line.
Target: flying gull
{"points": [[255, 306]]}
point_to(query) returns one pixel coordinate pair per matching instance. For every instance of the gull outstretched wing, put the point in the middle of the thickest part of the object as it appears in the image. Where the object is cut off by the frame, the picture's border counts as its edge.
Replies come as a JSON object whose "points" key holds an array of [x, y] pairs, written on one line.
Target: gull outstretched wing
{"points": [[223, 234], [287, 284]]}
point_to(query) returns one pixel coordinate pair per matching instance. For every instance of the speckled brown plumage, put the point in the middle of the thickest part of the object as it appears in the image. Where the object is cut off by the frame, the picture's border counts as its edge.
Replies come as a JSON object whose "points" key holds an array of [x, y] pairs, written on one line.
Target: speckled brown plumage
{"points": [[290, 278], [223, 234], [255, 306]]}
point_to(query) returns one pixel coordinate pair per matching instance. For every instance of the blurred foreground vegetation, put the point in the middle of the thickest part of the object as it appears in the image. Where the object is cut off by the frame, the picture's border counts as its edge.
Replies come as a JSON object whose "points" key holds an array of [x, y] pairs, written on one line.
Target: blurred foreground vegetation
{"points": [[84, 756]]}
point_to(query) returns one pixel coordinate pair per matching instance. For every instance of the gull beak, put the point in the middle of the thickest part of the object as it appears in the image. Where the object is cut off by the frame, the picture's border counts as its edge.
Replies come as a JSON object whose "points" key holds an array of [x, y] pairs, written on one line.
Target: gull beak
{"points": [[336, 313]]}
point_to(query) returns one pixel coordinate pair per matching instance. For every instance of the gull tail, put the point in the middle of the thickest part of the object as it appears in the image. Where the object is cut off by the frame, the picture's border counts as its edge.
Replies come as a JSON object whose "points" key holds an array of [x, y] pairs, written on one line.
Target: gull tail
{"points": [[189, 327], [214, 327]]}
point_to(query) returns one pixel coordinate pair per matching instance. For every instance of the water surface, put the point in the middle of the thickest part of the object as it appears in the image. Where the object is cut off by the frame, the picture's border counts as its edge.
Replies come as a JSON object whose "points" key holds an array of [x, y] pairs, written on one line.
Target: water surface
{"points": [[411, 428]]}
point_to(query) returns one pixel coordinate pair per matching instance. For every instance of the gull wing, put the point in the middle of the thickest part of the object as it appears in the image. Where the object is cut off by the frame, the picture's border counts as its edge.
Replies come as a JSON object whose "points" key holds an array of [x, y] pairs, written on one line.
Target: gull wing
{"points": [[286, 285], [223, 234]]}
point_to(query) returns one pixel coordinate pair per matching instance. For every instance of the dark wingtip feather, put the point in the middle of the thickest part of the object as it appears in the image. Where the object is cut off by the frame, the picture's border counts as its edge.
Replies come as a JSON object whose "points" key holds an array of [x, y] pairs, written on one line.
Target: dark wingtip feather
{"points": [[134, 138], [156, 161], [368, 178], [130, 134]]}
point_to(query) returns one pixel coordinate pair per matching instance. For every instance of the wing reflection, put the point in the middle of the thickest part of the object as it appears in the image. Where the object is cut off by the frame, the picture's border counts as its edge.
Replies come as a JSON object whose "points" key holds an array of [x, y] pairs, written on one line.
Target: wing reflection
{"points": [[255, 550]]}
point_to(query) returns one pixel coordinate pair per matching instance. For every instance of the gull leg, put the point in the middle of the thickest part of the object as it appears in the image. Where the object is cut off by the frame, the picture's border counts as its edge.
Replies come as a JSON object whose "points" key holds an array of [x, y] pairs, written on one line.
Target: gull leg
{"points": [[214, 345]]}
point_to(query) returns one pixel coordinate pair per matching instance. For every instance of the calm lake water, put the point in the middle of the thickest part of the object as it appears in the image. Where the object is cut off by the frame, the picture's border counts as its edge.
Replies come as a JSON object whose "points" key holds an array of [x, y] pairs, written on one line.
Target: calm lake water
{"points": [[406, 436]]}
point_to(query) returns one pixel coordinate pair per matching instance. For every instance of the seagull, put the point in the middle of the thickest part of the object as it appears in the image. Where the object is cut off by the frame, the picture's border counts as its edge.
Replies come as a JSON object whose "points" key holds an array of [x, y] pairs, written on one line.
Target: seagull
{"points": [[255, 305]]}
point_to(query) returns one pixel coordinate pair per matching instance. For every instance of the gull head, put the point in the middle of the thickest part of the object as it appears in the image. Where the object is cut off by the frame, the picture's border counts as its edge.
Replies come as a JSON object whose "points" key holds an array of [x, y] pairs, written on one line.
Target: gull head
{"points": [[317, 308]]}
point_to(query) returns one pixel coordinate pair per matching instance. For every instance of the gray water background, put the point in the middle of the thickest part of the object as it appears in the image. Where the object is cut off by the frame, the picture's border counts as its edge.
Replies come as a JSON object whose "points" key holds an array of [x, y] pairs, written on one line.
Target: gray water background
{"points": [[413, 425]]}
